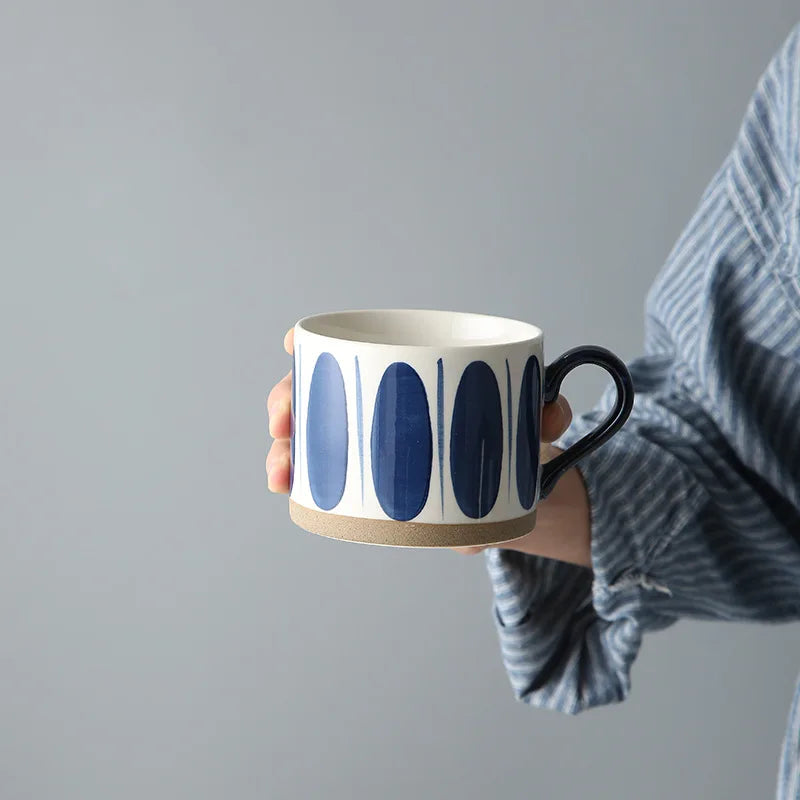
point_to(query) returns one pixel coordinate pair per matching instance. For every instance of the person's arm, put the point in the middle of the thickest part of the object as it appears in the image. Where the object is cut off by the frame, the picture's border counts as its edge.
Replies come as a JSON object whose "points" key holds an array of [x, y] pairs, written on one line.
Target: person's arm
{"points": [[694, 504]]}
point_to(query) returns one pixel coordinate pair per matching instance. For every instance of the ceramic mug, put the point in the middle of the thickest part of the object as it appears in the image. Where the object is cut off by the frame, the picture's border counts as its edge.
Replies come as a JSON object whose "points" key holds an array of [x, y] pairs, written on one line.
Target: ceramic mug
{"points": [[420, 428]]}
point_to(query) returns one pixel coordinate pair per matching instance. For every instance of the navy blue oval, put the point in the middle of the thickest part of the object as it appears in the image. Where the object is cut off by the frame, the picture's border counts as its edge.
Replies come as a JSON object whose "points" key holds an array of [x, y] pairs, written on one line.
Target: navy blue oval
{"points": [[401, 443], [476, 440], [528, 420], [326, 433]]}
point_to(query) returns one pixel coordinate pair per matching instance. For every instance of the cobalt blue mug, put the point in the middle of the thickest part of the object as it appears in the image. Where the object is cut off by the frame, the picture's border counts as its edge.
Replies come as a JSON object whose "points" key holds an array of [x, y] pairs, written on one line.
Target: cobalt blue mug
{"points": [[421, 428]]}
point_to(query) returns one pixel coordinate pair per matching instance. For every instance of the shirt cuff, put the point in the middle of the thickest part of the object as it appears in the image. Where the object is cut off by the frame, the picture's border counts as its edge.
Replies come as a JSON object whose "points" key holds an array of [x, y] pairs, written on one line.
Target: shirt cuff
{"points": [[640, 498]]}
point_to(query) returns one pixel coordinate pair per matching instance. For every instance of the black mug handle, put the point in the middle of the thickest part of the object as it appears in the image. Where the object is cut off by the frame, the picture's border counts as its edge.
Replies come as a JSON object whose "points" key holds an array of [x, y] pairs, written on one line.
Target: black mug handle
{"points": [[554, 375]]}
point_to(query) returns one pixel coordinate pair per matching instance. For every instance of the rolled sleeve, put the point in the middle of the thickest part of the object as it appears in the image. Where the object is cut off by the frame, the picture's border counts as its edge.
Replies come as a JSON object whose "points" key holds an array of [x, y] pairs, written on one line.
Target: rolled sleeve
{"points": [[666, 542]]}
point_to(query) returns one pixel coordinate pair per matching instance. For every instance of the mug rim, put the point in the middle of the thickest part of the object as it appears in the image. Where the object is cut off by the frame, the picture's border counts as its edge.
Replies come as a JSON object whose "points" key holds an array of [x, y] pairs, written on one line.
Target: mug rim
{"points": [[517, 332]]}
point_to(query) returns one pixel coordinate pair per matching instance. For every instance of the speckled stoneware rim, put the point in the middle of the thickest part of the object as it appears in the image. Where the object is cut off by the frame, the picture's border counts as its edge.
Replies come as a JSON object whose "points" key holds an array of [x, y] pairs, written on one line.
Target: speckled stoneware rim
{"points": [[391, 533]]}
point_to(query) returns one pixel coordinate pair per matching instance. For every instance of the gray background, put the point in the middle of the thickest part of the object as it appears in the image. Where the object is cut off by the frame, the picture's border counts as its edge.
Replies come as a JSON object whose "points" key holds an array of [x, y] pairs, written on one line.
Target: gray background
{"points": [[179, 183]]}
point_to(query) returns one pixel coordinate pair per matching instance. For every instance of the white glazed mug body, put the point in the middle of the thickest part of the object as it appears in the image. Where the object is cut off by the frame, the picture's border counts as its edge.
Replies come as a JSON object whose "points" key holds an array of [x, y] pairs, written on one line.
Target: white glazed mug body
{"points": [[426, 424]]}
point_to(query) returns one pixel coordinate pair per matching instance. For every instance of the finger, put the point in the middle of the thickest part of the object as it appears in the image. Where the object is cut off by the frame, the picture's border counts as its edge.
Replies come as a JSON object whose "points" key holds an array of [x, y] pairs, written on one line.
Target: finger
{"points": [[469, 551], [279, 407], [278, 465], [279, 454], [288, 341], [556, 418]]}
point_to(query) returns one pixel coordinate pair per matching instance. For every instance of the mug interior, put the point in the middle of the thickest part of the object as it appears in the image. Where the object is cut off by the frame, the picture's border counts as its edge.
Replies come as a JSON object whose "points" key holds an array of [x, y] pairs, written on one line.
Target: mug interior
{"points": [[419, 328]]}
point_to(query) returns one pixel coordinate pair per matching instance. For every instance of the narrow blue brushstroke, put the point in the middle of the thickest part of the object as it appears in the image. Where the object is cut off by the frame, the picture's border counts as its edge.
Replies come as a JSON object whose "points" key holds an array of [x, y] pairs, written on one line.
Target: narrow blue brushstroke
{"points": [[299, 412], [508, 391], [440, 425], [293, 420], [360, 420]]}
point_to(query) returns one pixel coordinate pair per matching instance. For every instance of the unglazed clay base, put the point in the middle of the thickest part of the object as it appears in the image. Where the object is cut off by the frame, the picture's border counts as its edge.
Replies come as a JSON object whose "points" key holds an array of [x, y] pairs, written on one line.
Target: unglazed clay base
{"points": [[409, 534]]}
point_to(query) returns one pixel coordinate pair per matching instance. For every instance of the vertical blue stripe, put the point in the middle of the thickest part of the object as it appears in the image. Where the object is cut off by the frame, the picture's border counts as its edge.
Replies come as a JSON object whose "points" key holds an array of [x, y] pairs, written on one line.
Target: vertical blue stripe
{"points": [[293, 421], [299, 412], [510, 425], [360, 421], [528, 436], [440, 425]]}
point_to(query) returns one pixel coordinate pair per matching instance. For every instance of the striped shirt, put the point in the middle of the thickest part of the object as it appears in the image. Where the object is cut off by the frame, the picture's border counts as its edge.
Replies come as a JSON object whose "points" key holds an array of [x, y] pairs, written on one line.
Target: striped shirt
{"points": [[696, 502]]}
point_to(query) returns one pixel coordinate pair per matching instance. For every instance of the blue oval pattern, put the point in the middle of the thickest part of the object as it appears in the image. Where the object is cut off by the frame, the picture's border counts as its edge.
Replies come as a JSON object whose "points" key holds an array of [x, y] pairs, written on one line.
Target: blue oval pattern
{"points": [[326, 433], [528, 433], [401, 443], [476, 440]]}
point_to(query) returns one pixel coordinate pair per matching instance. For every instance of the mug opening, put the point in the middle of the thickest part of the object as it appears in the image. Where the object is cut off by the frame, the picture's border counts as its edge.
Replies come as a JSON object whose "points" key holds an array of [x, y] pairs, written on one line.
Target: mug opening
{"points": [[419, 328]]}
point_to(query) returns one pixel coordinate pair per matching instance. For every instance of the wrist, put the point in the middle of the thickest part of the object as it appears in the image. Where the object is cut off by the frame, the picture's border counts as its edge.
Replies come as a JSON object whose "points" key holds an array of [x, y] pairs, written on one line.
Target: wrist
{"points": [[563, 521]]}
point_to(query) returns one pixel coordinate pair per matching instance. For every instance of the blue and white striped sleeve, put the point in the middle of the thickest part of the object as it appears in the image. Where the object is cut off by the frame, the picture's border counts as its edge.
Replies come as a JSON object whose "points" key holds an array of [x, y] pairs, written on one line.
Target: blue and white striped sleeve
{"points": [[694, 504]]}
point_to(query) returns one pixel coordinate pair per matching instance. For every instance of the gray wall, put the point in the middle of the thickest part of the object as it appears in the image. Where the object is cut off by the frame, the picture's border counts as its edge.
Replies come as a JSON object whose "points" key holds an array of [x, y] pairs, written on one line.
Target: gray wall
{"points": [[181, 182]]}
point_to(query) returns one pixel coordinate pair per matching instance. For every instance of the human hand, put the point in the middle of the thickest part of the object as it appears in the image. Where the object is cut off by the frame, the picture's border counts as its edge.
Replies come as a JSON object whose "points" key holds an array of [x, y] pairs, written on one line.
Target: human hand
{"points": [[279, 407], [563, 519]]}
